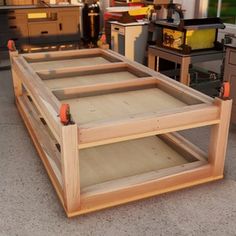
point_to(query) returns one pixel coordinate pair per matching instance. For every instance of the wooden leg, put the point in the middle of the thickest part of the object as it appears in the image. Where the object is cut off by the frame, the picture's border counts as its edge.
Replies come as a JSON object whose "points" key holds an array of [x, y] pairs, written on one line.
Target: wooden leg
{"points": [[17, 84], [157, 63], [184, 75], [70, 167], [219, 138], [151, 61], [189, 79]]}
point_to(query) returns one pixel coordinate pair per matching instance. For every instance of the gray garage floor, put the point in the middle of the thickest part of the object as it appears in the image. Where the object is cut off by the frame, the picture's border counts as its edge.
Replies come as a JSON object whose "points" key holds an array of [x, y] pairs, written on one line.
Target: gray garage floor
{"points": [[29, 205]]}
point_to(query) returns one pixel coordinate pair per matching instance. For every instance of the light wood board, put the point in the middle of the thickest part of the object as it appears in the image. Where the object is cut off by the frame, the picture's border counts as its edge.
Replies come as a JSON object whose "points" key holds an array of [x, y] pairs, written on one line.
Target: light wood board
{"points": [[120, 105], [55, 64], [69, 82], [114, 161]]}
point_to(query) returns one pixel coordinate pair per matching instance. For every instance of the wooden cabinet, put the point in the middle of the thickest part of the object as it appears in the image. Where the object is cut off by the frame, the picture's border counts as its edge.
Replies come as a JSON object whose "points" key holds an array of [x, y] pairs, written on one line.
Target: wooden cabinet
{"points": [[129, 40], [230, 75], [43, 32], [13, 26], [53, 25], [68, 25]]}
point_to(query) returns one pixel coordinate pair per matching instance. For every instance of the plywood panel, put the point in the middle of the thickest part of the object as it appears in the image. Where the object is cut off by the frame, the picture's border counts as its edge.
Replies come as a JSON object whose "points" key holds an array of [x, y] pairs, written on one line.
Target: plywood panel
{"points": [[114, 161], [55, 64], [88, 79], [119, 105]]}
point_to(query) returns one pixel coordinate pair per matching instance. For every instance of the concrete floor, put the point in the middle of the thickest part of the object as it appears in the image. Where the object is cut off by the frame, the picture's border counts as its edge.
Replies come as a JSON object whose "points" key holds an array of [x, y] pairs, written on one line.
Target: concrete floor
{"points": [[29, 205]]}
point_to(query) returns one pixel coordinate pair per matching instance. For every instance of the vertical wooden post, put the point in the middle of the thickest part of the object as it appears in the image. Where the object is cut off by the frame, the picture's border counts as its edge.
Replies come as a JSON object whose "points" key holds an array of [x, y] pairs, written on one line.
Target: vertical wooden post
{"points": [[151, 60], [17, 84], [70, 167], [184, 68], [219, 138]]}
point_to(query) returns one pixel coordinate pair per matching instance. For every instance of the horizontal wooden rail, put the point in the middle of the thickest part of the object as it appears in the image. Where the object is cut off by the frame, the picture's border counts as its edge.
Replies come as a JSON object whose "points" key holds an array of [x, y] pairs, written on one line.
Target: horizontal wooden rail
{"points": [[104, 88], [144, 125], [80, 71], [164, 79], [44, 100]]}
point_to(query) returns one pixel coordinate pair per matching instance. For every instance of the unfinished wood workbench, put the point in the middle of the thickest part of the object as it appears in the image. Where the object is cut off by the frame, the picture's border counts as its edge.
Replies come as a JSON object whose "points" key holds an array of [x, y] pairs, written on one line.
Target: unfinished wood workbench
{"points": [[123, 144]]}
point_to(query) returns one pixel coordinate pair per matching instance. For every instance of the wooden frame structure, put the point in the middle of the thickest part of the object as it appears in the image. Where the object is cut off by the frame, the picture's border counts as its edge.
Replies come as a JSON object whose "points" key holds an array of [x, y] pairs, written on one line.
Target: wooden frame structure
{"points": [[123, 144]]}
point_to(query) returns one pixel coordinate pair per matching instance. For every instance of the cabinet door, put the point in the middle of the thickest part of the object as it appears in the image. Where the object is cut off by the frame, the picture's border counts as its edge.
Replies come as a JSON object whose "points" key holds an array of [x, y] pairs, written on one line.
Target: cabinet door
{"points": [[69, 26]]}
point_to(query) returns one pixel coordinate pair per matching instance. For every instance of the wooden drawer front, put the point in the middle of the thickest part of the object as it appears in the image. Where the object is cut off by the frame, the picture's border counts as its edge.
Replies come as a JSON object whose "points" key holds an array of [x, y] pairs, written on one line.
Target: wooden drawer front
{"points": [[21, 29], [16, 24], [119, 29], [232, 57], [6, 15], [43, 32]]}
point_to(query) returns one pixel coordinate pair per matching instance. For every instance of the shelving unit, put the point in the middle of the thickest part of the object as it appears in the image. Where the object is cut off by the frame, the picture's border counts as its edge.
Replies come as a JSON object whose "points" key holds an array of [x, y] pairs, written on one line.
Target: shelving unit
{"points": [[122, 144]]}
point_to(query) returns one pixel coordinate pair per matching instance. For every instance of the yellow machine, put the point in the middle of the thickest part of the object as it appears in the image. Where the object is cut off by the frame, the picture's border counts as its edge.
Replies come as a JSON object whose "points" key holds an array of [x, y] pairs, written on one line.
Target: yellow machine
{"points": [[190, 35], [196, 39], [141, 11]]}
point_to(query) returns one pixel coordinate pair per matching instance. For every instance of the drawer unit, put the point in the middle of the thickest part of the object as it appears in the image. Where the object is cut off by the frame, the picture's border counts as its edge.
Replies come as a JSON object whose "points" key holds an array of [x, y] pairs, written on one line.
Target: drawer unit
{"points": [[15, 23], [51, 26], [6, 15], [118, 29], [129, 40], [45, 32], [13, 26]]}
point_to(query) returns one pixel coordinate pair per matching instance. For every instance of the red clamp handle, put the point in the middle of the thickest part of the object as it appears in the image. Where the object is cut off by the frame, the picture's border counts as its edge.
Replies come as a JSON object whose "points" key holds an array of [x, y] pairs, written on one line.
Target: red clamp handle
{"points": [[11, 45], [64, 115], [225, 90]]}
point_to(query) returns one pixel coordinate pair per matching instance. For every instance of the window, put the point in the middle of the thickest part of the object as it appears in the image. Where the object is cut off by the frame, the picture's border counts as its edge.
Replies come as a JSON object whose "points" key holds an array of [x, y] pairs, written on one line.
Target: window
{"points": [[226, 9]]}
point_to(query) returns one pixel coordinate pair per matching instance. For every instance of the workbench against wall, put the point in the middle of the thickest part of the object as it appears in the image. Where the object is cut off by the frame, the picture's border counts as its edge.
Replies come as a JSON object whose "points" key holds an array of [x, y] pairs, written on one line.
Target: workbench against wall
{"points": [[34, 25]]}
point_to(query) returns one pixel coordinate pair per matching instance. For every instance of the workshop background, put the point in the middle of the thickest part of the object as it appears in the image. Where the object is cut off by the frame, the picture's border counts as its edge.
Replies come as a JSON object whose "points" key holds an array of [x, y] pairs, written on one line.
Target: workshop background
{"points": [[191, 41]]}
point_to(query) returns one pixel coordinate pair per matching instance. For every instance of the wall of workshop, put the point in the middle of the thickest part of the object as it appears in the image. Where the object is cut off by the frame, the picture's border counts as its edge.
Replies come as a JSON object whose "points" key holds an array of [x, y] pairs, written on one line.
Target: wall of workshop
{"points": [[103, 5], [188, 6]]}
